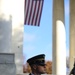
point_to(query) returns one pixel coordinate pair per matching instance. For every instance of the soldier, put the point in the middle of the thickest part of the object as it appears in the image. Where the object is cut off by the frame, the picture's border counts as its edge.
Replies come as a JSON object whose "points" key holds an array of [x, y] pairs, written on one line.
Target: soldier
{"points": [[37, 64]]}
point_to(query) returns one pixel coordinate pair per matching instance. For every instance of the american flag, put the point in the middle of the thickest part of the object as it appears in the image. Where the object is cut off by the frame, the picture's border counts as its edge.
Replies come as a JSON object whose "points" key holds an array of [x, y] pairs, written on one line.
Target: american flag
{"points": [[32, 12]]}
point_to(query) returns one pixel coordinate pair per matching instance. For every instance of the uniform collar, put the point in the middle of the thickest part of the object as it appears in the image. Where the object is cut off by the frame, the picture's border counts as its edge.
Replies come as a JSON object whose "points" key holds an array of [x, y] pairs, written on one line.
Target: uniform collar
{"points": [[32, 74]]}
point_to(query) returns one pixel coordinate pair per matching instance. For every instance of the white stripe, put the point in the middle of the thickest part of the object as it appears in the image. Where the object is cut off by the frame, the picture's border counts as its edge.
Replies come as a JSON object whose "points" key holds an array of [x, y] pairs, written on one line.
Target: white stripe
{"points": [[29, 11], [39, 13], [26, 9]]}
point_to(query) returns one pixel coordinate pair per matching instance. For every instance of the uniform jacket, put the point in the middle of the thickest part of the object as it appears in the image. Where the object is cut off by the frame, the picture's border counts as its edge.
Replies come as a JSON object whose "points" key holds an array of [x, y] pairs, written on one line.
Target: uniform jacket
{"points": [[30, 74]]}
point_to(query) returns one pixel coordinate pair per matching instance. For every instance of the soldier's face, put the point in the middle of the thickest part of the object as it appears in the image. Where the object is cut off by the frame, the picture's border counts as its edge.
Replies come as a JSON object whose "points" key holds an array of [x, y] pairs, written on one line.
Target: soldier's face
{"points": [[41, 69]]}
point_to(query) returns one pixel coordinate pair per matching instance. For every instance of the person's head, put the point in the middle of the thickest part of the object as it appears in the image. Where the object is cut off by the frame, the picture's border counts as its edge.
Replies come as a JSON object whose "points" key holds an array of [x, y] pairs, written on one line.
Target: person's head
{"points": [[37, 64]]}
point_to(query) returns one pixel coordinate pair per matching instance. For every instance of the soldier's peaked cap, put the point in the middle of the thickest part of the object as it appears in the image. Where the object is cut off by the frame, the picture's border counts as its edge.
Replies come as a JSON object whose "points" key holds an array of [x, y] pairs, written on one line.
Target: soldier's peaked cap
{"points": [[38, 59]]}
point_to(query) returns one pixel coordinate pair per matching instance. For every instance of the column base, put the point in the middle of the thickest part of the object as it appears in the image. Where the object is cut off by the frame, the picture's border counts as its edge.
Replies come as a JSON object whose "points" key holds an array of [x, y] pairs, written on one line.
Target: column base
{"points": [[7, 64]]}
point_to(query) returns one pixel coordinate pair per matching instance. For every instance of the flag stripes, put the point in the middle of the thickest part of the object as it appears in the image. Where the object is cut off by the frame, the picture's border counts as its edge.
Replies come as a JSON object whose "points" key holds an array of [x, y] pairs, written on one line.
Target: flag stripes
{"points": [[32, 12]]}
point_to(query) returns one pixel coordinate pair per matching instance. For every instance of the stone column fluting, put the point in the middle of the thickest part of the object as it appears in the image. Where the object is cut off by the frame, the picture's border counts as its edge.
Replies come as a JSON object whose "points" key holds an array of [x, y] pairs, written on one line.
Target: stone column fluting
{"points": [[59, 39], [72, 33]]}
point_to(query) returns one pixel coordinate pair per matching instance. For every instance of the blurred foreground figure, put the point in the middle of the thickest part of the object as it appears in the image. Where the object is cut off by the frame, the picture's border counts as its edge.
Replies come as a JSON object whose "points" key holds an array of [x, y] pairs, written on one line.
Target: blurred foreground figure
{"points": [[37, 64], [73, 70]]}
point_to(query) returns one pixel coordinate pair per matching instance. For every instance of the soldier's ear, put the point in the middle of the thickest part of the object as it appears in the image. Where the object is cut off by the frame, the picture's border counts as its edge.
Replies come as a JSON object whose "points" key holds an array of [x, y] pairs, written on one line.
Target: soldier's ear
{"points": [[34, 66]]}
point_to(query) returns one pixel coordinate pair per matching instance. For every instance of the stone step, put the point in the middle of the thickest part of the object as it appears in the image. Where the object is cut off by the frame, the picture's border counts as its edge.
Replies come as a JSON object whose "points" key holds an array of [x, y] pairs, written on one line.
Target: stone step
{"points": [[7, 64], [7, 69], [23, 74], [6, 58]]}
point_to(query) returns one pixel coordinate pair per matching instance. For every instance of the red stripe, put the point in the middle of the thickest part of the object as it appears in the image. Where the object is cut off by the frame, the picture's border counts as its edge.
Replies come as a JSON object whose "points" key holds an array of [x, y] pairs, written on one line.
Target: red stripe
{"points": [[30, 12], [24, 10], [34, 13], [40, 13], [37, 13], [27, 11]]}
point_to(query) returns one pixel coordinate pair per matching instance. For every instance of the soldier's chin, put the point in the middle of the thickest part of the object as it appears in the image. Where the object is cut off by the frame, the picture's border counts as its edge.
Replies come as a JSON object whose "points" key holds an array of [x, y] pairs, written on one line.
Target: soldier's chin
{"points": [[44, 72]]}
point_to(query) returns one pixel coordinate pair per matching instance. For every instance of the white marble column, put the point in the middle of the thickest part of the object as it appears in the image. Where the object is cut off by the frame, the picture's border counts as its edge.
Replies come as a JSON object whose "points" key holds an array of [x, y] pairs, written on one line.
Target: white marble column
{"points": [[5, 27], [59, 39], [7, 65], [11, 30], [72, 33], [17, 33]]}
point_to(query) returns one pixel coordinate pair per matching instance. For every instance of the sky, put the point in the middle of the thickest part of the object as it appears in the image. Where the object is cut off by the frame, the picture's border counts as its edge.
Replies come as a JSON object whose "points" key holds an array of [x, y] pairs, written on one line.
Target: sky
{"points": [[38, 40]]}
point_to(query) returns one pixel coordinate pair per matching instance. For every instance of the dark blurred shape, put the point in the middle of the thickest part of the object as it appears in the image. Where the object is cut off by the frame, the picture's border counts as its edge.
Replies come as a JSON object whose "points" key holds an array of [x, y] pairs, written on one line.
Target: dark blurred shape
{"points": [[73, 70]]}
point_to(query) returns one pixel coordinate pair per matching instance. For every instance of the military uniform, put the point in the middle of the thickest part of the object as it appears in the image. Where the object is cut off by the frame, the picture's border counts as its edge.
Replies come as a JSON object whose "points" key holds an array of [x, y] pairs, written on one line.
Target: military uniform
{"points": [[30, 74]]}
